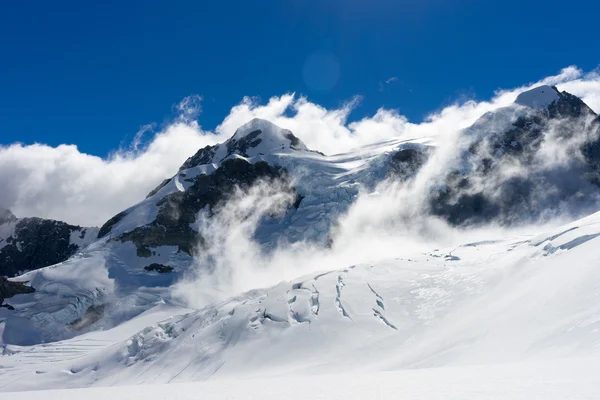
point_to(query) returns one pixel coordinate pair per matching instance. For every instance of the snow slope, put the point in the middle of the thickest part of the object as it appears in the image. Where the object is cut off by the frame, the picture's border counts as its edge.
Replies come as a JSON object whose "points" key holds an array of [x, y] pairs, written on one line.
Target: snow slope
{"points": [[520, 300], [539, 97], [564, 379]]}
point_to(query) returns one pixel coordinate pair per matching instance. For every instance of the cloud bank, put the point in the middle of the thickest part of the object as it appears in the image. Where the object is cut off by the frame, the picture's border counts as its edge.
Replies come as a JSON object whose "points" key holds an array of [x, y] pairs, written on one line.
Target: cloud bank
{"points": [[63, 183]]}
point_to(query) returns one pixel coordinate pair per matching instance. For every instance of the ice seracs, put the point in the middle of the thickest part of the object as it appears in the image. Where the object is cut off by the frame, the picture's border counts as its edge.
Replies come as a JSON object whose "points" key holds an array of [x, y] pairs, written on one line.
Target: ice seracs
{"points": [[538, 97]]}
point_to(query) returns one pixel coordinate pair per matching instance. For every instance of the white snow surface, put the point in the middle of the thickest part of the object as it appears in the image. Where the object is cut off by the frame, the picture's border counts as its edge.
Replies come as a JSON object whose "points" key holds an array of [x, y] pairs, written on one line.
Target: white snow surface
{"points": [[273, 138], [510, 317], [538, 97], [564, 379]]}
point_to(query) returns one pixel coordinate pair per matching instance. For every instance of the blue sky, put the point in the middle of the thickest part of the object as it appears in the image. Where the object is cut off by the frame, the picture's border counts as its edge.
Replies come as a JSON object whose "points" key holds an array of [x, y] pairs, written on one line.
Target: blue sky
{"points": [[92, 73]]}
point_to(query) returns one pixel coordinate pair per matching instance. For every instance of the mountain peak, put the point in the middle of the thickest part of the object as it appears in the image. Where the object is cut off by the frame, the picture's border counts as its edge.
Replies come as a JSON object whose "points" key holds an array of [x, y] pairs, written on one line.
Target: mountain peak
{"points": [[267, 137], [257, 137], [538, 97], [6, 216]]}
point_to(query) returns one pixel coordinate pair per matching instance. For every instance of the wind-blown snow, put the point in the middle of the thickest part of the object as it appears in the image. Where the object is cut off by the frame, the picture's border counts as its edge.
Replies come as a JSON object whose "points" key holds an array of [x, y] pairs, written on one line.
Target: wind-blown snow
{"points": [[525, 300]]}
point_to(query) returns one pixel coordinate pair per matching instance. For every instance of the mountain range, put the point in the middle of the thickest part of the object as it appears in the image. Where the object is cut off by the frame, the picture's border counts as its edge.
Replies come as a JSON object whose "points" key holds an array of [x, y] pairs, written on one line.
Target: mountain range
{"points": [[133, 300]]}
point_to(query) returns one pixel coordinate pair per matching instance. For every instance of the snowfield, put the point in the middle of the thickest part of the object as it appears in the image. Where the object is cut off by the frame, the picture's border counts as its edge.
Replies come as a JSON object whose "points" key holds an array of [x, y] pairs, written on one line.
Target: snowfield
{"points": [[509, 317], [567, 379]]}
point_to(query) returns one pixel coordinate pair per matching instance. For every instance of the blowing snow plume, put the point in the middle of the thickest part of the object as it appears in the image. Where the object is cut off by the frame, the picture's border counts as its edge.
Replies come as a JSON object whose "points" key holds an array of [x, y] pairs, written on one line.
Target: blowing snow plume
{"points": [[531, 162], [229, 260]]}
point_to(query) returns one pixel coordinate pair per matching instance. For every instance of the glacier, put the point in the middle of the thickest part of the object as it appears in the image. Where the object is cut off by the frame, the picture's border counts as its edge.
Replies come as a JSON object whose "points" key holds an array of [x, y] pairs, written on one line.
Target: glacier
{"points": [[396, 264]]}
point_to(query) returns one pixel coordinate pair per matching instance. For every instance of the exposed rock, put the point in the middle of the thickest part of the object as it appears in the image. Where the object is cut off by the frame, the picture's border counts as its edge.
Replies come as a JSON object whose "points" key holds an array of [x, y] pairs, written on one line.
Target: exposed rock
{"points": [[178, 211], [203, 156], [9, 289], [160, 268], [157, 189], [405, 163], [240, 146], [105, 229], [509, 199], [295, 143], [35, 243], [255, 137]]}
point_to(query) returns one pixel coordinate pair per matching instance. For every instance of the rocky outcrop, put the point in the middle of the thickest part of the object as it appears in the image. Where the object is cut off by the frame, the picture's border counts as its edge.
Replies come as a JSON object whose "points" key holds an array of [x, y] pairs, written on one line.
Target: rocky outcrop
{"points": [[493, 188], [177, 211], [160, 268], [31, 243], [202, 157], [9, 289], [105, 229], [157, 189], [406, 162], [256, 137]]}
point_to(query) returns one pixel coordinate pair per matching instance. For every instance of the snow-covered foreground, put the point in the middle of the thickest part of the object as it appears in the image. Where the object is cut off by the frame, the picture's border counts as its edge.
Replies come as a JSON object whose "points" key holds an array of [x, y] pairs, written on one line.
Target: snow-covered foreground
{"points": [[567, 379], [517, 317]]}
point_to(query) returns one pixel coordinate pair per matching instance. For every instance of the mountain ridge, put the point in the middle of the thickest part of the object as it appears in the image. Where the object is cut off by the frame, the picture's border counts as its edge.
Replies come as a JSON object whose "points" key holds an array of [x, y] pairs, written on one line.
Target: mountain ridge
{"points": [[31, 243], [156, 243]]}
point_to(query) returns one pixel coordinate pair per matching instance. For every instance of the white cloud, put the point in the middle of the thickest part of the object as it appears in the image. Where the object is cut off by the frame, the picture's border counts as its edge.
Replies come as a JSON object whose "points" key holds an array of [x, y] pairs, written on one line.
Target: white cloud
{"points": [[387, 82], [189, 108], [63, 183]]}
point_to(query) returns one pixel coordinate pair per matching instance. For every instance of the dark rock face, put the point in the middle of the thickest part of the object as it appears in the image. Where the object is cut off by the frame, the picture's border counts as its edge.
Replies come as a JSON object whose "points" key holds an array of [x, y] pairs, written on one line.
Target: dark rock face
{"points": [[203, 156], [234, 146], [568, 106], [105, 229], [178, 210], [160, 268], [239, 146], [242, 145], [9, 289], [485, 193], [294, 141], [591, 154], [157, 189], [37, 243], [406, 163]]}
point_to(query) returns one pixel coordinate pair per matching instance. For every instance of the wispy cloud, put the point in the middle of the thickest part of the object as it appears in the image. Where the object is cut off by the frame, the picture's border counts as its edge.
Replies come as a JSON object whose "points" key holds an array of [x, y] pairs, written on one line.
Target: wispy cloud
{"points": [[383, 85]]}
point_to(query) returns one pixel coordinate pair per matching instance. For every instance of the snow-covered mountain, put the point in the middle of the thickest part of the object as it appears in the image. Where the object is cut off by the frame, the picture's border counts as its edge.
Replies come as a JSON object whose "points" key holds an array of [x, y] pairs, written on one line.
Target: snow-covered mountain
{"points": [[480, 296], [31, 243]]}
